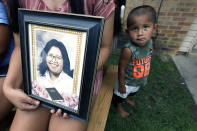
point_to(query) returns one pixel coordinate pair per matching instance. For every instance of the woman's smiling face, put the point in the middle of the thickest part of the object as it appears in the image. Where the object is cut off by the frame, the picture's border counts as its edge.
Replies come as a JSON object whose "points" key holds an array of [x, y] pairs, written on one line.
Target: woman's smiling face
{"points": [[54, 60]]}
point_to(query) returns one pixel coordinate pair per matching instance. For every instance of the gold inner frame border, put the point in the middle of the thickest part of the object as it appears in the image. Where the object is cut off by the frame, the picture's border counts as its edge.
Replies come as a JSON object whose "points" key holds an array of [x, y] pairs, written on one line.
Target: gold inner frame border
{"points": [[78, 50]]}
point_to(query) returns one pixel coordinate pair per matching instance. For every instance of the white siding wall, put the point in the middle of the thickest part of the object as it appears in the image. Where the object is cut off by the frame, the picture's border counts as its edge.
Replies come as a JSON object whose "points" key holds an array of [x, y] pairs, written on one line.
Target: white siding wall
{"points": [[190, 41]]}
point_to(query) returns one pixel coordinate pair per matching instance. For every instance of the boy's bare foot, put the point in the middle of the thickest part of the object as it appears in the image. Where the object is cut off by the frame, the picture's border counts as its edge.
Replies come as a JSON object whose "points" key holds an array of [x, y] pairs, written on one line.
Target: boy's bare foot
{"points": [[121, 111], [131, 102]]}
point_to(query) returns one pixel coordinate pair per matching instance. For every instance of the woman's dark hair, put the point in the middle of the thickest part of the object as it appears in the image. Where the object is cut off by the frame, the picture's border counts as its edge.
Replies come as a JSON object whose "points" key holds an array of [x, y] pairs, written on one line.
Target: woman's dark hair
{"points": [[42, 67], [142, 10], [12, 8], [77, 6]]}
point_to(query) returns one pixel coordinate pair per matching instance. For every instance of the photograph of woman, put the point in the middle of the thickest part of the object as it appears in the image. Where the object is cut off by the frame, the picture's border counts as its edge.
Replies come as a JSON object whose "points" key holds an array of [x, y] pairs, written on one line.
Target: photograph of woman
{"points": [[54, 79]]}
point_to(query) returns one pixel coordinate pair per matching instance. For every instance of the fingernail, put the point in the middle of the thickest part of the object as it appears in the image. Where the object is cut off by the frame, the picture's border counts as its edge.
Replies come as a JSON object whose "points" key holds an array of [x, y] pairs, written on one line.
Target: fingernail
{"points": [[37, 102]]}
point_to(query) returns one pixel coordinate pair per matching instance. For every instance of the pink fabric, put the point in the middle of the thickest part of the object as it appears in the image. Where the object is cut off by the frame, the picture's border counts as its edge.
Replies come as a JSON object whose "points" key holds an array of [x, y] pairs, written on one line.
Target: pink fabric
{"points": [[91, 7], [39, 5], [99, 7]]}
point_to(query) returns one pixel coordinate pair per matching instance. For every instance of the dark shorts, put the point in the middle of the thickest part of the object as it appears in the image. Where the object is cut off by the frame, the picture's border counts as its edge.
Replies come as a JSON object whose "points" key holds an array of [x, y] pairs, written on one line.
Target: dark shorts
{"points": [[116, 99], [3, 71]]}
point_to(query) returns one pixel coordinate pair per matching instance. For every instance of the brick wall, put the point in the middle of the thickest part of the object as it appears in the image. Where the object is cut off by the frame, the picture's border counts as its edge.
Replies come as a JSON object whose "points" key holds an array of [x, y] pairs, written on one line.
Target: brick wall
{"points": [[175, 19]]}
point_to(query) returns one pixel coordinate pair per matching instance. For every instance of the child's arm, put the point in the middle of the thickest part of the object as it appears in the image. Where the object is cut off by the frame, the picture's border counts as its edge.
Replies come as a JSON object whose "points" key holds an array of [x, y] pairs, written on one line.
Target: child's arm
{"points": [[124, 59]]}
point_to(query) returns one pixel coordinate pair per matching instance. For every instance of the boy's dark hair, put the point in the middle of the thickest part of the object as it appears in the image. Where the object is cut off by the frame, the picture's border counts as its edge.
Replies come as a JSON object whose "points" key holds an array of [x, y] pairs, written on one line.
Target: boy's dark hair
{"points": [[77, 6], [142, 10], [13, 6]]}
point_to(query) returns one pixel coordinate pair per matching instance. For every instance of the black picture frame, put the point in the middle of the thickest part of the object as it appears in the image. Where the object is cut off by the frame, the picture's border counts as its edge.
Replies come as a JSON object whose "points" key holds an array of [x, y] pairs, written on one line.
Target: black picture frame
{"points": [[80, 34]]}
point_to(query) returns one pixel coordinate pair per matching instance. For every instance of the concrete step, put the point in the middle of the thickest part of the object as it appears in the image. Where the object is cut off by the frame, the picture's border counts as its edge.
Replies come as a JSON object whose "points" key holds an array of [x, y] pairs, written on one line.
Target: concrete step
{"points": [[193, 53], [187, 68]]}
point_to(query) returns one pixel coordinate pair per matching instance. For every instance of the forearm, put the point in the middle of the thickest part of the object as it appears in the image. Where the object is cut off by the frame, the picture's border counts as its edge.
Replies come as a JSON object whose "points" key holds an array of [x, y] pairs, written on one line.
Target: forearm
{"points": [[103, 57], [106, 41], [14, 75], [121, 78], [123, 62], [13, 83]]}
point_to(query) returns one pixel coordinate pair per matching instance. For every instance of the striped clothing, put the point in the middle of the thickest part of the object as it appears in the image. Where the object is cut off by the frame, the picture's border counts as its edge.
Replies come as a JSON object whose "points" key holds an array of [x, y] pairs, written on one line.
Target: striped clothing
{"points": [[91, 7]]}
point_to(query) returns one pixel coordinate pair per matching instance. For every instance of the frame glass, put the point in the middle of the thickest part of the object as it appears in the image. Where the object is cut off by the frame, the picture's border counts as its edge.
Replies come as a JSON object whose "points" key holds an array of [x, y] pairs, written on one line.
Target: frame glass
{"points": [[59, 59]]}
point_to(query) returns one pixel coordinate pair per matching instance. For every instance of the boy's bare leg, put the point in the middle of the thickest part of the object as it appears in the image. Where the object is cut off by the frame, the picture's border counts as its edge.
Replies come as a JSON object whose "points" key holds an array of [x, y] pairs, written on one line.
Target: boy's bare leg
{"points": [[35, 120], [130, 101], [66, 124], [121, 111]]}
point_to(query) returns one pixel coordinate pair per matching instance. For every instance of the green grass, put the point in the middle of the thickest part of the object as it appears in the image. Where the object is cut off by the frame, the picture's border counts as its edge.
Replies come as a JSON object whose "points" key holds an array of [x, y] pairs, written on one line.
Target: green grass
{"points": [[164, 104]]}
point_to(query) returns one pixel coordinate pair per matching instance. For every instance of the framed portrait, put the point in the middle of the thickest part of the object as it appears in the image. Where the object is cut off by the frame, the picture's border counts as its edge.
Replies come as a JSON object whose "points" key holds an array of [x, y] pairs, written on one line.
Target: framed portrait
{"points": [[59, 59]]}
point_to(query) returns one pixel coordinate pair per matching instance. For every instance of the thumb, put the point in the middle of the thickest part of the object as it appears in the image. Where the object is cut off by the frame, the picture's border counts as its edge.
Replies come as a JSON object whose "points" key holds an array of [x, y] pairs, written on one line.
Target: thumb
{"points": [[29, 104], [32, 101]]}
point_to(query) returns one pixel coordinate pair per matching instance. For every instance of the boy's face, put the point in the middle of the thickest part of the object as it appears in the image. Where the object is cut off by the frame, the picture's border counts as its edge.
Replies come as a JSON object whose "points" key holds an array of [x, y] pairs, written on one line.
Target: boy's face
{"points": [[141, 29]]}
